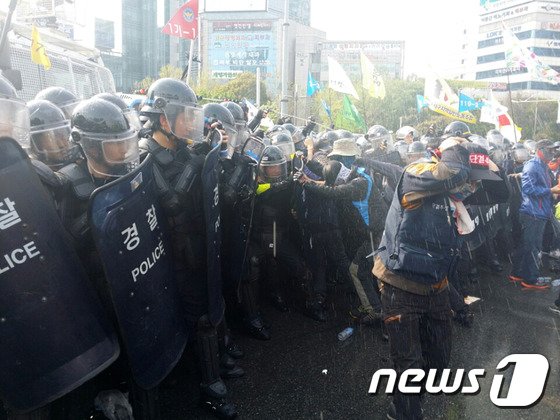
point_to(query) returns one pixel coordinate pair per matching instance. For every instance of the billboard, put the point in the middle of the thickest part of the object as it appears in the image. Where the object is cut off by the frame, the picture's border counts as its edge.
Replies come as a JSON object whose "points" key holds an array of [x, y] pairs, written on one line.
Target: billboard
{"points": [[242, 46], [104, 34], [235, 6]]}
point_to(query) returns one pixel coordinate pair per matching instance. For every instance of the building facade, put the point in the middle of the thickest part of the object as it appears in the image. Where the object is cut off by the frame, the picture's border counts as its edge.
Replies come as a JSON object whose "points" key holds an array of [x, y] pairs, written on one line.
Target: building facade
{"points": [[536, 24]]}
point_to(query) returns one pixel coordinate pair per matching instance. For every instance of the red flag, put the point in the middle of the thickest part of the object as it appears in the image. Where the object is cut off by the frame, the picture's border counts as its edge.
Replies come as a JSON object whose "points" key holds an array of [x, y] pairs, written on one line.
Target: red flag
{"points": [[503, 120], [184, 23]]}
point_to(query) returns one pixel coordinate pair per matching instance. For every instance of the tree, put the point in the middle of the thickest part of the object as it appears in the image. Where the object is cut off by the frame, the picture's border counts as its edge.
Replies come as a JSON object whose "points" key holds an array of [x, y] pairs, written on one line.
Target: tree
{"points": [[243, 86], [170, 71]]}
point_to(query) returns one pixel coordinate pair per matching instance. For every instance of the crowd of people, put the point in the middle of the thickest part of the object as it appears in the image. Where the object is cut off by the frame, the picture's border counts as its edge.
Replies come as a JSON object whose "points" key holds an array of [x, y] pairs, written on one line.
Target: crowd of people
{"points": [[398, 223]]}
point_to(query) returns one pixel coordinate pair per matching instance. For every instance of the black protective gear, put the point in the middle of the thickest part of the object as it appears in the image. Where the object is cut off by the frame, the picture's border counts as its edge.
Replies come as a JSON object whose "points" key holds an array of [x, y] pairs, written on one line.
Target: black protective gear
{"points": [[457, 129], [285, 143], [14, 121], [481, 141], [494, 136], [106, 138], [250, 302], [520, 153], [326, 140], [236, 111], [130, 114], [50, 134], [61, 97]]}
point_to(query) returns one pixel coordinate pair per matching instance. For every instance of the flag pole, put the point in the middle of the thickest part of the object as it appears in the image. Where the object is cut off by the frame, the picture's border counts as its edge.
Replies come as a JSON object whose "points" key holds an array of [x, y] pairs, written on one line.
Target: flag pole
{"points": [[189, 65], [511, 102]]}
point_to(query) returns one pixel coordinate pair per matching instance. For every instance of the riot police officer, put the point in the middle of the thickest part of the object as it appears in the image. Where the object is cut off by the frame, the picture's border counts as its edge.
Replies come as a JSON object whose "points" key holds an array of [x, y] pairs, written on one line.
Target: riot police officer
{"points": [[177, 122], [15, 116]]}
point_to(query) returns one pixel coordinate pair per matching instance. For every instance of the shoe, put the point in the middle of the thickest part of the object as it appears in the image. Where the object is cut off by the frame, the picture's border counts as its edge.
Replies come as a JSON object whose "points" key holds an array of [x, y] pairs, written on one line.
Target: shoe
{"points": [[513, 278], [358, 313], [316, 311], [371, 318], [214, 398], [257, 329], [234, 350], [278, 302], [232, 373], [464, 317], [539, 284]]}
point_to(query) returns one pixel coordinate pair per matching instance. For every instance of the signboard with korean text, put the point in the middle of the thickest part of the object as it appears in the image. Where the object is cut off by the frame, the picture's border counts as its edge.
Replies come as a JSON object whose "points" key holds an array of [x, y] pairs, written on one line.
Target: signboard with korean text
{"points": [[235, 6], [243, 46]]}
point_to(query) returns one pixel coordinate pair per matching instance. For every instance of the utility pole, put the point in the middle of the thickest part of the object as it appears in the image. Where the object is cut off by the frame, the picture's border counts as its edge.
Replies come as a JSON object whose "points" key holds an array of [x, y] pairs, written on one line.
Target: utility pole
{"points": [[284, 99]]}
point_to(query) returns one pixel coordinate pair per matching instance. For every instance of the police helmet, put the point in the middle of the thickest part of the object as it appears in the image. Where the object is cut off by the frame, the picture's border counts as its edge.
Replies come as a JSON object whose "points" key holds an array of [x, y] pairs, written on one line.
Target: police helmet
{"points": [[402, 147], [14, 115], [520, 153], [496, 153], [531, 145], [130, 114], [494, 136], [416, 150], [243, 132], [457, 129], [61, 97], [273, 166], [344, 134], [481, 141], [285, 143], [109, 143], [295, 132], [50, 134], [325, 140], [378, 136], [407, 132], [217, 113], [431, 142], [176, 101]]}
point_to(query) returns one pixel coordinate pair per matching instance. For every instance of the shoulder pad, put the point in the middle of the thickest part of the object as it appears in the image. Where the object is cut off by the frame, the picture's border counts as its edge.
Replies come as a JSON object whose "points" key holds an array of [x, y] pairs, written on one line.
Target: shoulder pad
{"points": [[47, 175], [161, 155], [79, 179]]}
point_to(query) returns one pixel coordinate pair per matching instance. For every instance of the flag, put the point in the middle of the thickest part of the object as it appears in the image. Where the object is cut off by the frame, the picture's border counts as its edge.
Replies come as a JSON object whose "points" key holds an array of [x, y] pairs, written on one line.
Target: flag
{"points": [[38, 53], [252, 109], [327, 109], [421, 103], [466, 103], [518, 56], [184, 24], [495, 113], [338, 79], [312, 85], [371, 79], [350, 119], [443, 100]]}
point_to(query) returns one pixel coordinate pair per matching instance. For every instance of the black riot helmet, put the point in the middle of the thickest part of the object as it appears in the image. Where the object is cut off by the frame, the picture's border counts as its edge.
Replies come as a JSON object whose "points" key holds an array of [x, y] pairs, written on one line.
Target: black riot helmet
{"points": [[295, 132], [402, 147], [273, 166], [275, 130], [14, 116], [61, 97], [130, 114], [379, 137], [344, 134], [285, 143], [494, 136], [107, 140], [177, 102], [496, 153], [325, 141], [407, 133], [481, 141], [520, 153], [219, 113], [430, 142], [50, 135], [243, 132], [416, 150], [457, 129]]}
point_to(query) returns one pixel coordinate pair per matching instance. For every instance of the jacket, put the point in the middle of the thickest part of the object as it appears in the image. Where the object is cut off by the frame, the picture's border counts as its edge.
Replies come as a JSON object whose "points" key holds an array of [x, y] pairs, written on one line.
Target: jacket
{"points": [[536, 182]]}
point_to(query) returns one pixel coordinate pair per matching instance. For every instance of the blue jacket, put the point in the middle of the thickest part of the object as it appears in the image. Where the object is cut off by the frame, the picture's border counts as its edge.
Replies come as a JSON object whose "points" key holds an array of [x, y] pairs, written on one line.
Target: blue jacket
{"points": [[536, 182]]}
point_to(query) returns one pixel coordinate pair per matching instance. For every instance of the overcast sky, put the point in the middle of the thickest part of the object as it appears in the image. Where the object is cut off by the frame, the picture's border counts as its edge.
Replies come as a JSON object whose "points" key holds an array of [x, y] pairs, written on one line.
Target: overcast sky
{"points": [[431, 29]]}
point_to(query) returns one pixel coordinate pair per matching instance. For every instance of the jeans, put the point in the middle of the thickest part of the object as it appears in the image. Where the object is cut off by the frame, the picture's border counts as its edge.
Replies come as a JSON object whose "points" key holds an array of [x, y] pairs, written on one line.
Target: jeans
{"points": [[419, 329], [526, 256]]}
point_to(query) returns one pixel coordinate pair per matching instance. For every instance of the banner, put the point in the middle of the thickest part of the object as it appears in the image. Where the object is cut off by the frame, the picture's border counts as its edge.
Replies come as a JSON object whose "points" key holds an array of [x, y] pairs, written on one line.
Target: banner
{"points": [[38, 53], [312, 85], [371, 79], [466, 103], [443, 100], [338, 79], [184, 24], [327, 109], [451, 112], [421, 103]]}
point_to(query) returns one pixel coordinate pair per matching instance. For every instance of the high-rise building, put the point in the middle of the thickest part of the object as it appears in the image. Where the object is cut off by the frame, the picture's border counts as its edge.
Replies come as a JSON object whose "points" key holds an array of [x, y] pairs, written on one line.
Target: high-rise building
{"points": [[537, 26]]}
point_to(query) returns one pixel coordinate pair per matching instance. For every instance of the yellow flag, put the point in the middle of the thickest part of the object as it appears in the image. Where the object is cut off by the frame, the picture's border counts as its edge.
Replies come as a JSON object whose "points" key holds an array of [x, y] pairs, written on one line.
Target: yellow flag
{"points": [[38, 53], [371, 79]]}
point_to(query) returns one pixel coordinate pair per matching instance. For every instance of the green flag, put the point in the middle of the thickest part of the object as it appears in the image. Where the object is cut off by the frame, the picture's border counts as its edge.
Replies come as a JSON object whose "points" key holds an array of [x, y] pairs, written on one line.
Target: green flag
{"points": [[349, 118]]}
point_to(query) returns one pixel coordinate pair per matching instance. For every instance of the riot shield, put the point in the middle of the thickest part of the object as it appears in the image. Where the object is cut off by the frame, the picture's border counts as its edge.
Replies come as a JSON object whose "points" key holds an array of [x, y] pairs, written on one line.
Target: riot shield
{"points": [[131, 236], [211, 197], [54, 332]]}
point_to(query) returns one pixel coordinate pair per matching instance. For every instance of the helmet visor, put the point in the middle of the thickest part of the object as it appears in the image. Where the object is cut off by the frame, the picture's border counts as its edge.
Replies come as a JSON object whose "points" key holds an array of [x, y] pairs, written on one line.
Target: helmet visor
{"points": [[521, 155], [186, 122], [112, 156], [52, 145], [273, 172], [289, 149], [14, 121], [495, 138], [253, 148], [133, 119], [68, 108]]}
